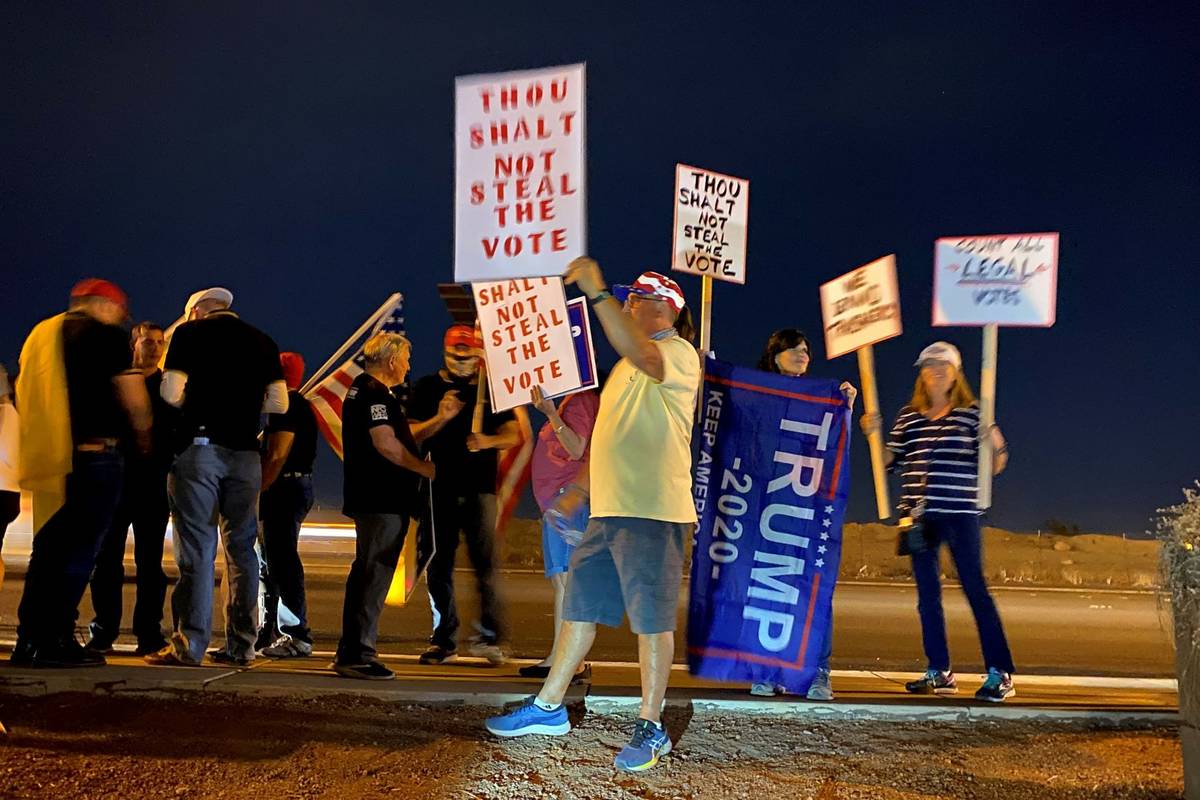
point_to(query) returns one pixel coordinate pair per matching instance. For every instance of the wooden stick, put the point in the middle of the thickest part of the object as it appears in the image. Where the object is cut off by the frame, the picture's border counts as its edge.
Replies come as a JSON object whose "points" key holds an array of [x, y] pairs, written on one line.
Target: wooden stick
{"points": [[866, 373], [706, 291], [480, 400], [987, 414]]}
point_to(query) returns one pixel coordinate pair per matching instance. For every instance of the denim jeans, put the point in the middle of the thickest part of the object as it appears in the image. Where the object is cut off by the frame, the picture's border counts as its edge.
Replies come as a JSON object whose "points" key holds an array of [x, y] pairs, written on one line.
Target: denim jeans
{"points": [[474, 516], [378, 540], [64, 550], [960, 532], [211, 484], [282, 509], [143, 505]]}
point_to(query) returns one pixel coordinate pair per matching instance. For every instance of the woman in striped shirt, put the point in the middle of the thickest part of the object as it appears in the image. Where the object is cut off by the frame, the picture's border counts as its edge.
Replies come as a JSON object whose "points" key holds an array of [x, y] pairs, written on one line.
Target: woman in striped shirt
{"points": [[934, 445]]}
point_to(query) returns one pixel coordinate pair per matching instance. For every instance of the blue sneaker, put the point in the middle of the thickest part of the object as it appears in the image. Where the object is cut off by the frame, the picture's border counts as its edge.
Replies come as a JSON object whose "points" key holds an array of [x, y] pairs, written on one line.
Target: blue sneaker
{"points": [[997, 687], [527, 718], [649, 742]]}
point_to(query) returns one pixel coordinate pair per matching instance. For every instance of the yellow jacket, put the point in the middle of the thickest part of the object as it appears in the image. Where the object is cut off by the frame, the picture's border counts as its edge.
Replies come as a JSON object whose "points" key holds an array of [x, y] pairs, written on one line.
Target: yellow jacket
{"points": [[46, 445]]}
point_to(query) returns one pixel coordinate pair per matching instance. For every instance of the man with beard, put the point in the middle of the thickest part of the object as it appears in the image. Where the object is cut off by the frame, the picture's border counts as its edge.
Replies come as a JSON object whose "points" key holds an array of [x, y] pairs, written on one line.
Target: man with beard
{"points": [[464, 499]]}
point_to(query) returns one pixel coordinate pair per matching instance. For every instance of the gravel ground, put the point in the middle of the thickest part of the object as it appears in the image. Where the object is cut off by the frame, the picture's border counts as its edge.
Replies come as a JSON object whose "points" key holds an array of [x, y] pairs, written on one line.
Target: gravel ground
{"points": [[84, 746]]}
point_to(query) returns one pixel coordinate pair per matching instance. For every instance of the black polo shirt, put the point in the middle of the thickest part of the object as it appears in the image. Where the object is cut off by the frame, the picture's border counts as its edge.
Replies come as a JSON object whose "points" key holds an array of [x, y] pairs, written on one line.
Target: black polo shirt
{"points": [[459, 470], [301, 422], [374, 485], [94, 354], [229, 365]]}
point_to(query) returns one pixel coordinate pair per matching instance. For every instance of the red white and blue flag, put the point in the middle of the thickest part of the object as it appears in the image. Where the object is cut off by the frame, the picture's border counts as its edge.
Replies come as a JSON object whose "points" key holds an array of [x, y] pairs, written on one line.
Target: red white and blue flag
{"points": [[770, 486]]}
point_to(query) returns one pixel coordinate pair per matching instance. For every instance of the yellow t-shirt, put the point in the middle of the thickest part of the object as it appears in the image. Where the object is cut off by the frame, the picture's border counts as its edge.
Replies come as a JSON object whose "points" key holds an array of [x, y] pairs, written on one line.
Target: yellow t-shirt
{"points": [[641, 464]]}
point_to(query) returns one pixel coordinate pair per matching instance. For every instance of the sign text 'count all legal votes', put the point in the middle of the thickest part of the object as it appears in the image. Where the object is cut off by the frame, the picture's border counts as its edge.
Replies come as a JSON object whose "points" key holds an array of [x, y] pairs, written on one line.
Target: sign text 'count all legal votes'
{"points": [[520, 207]]}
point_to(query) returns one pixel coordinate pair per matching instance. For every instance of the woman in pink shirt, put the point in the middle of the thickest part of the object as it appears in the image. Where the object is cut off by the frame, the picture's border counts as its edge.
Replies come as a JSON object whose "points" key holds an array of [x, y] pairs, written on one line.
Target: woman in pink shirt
{"points": [[560, 486]]}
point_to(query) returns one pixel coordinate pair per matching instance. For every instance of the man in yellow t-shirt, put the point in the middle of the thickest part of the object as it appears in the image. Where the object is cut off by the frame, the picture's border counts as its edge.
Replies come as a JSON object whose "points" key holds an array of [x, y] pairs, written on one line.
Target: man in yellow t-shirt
{"points": [[631, 558]]}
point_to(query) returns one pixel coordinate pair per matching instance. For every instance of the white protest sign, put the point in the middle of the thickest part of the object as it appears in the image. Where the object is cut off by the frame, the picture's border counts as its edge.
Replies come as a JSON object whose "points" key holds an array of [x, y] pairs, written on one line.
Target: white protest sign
{"points": [[711, 214], [861, 307], [526, 338], [519, 173], [996, 280]]}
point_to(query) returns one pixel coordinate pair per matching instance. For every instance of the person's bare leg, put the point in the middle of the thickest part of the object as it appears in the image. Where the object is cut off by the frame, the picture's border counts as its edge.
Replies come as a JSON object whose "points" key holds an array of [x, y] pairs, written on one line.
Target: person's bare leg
{"points": [[656, 651], [559, 582], [574, 642]]}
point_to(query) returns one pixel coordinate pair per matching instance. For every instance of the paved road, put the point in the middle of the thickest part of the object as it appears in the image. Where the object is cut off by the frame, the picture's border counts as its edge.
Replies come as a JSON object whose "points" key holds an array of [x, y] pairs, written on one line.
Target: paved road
{"points": [[876, 627]]}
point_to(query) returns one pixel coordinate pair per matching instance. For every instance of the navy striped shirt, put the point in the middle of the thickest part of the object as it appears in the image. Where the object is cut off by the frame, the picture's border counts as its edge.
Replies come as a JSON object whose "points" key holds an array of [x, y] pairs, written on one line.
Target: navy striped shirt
{"points": [[938, 460]]}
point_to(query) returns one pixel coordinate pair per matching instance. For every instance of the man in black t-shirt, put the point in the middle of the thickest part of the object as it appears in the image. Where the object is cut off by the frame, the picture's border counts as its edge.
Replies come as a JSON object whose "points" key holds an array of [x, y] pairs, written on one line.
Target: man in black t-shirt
{"points": [[222, 374], [464, 501], [144, 506], [382, 473], [105, 398], [286, 498]]}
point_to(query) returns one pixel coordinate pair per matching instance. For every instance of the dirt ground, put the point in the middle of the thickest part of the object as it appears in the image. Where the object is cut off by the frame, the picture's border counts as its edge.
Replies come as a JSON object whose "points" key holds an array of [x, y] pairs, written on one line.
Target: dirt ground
{"points": [[82, 746]]}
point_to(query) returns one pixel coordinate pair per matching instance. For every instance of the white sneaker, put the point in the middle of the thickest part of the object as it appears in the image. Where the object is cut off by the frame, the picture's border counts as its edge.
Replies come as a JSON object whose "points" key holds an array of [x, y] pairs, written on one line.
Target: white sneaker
{"points": [[492, 652], [288, 647], [821, 689], [766, 689]]}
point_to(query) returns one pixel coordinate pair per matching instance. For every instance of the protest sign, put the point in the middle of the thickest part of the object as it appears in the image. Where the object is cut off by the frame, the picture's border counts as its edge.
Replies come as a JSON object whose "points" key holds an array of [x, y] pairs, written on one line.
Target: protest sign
{"points": [[527, 339], [585, 352], [1005, 279], [711, 213], [996, 280], [520, 207], [860, 309], [770, 486]]}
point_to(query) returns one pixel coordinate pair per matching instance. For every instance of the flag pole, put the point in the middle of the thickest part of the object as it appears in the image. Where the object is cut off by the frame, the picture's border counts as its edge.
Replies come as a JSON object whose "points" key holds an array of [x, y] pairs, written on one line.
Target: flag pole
{"points": [[341, 351]]}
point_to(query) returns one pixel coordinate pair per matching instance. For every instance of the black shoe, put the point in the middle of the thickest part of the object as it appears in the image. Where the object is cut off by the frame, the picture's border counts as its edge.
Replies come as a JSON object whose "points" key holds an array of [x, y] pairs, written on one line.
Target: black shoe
{"points": [[267, 636], [22, 654], [228, 659], [370, 671], [583, 676], [436, 654], [66, 653], [145, 648], [102, 646], [534, 671]]}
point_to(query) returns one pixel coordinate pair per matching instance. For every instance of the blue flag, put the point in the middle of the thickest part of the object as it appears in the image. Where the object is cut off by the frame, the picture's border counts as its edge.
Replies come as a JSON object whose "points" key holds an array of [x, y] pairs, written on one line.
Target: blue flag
{"points": [[770, 487]]}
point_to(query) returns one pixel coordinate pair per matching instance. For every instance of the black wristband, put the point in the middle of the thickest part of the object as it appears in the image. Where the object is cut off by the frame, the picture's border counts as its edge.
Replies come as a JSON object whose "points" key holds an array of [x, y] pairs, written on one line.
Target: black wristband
{"points": [[601, 296]]}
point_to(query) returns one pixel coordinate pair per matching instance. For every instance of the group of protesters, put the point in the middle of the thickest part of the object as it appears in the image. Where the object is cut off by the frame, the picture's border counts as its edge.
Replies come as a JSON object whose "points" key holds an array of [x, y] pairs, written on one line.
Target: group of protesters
{"points": [[108, 440]]}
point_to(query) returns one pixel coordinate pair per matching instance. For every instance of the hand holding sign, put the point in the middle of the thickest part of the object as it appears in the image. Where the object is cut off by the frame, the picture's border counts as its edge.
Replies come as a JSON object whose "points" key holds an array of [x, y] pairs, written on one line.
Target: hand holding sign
{"points": [[585, 273], [538, 398]]}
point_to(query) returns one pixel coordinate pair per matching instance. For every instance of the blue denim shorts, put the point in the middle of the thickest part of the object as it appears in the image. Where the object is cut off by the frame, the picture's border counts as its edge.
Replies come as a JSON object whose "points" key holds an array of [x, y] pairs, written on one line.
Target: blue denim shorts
{"points": [[627, 565], [556, 553]]}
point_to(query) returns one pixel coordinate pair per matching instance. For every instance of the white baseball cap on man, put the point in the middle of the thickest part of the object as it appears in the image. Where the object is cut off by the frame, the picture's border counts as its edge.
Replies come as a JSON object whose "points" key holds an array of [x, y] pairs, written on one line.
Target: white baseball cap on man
{"points": [[940, 351], [215, 293]]}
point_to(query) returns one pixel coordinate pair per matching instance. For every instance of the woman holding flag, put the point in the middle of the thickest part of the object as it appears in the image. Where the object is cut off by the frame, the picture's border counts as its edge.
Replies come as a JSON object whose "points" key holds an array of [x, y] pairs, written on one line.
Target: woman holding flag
{"points": [[934, 444], [788, 353]]}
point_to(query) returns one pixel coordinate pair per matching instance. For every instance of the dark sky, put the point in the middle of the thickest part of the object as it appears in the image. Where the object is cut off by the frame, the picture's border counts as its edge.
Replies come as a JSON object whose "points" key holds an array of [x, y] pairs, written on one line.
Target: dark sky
{"points": [[301, 154]]}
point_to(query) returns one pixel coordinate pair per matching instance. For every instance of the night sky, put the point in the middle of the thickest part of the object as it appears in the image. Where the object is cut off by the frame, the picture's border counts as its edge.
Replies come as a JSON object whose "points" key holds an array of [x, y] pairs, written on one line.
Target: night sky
{"points": [[301, 154]]}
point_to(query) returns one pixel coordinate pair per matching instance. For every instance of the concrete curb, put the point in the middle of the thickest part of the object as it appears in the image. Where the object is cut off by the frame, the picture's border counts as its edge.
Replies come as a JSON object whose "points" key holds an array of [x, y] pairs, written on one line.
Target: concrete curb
{"points": [[172, 682]]}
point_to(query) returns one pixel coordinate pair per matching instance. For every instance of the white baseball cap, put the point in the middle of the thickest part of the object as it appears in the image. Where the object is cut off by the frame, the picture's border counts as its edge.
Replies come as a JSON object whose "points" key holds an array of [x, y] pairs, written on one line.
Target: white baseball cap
{"points": [[940, 351], [215, 293]]}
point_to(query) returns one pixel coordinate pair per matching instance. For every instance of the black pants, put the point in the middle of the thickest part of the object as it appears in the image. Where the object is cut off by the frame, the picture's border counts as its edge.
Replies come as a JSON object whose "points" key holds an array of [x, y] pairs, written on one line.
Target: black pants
{"points": [[64, 550], [282, 510], [144, 506], [10, 509], [379, 538], [474, 516]]}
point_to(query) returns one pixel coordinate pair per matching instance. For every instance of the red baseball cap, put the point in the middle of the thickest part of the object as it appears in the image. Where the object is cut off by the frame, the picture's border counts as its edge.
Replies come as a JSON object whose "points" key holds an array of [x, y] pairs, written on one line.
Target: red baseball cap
{"points": [[655, 286], [98, 287], [292, 365], [462, 336]]}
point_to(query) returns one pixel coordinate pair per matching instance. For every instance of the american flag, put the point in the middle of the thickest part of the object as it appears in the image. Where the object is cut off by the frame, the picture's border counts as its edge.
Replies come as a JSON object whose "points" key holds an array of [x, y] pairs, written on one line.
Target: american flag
{"points": [[327, 395]]}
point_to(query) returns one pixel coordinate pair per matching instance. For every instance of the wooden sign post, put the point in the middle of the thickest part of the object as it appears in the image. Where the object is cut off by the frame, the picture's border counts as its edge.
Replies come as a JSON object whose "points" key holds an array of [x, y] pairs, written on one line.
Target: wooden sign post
{"points": [[860, 309], [989, 281]]}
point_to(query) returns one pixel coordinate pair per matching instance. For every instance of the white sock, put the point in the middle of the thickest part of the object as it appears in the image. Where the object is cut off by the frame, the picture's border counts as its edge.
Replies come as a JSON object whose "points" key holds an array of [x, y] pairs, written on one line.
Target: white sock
{"points": [[543, 705]]}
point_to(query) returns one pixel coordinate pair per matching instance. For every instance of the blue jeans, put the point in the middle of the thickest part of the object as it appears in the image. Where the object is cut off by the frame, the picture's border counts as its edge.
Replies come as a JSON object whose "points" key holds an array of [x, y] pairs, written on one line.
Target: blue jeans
{"points": [[961, 533], [210, 484], [65, 549]]}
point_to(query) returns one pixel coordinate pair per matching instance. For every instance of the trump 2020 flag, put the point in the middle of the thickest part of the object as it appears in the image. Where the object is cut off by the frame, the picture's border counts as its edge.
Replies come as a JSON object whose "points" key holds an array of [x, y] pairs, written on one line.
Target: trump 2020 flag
{"points": [[770, 488]]}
